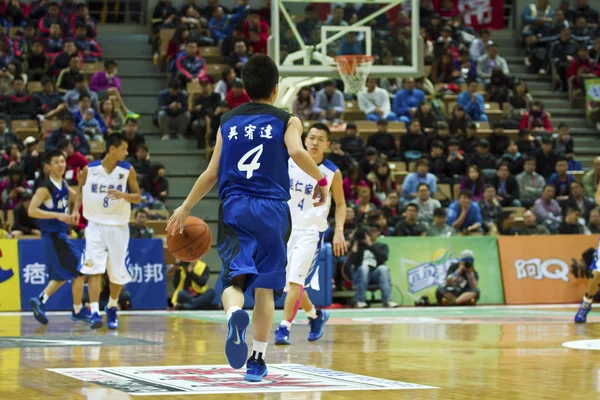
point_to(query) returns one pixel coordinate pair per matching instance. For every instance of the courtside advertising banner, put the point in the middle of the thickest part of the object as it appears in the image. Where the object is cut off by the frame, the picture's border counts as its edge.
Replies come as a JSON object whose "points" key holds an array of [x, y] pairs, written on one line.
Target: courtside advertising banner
{"points": [[10, 296], [418, 266], [537, 269], [145, 262]]}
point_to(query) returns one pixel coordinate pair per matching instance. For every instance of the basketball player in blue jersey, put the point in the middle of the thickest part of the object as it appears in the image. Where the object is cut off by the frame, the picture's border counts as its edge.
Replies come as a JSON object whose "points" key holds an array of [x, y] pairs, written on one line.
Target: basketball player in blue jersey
{"points": [[594, 282], [250, 161], [310, 224], [107, 188], [50, 206]]}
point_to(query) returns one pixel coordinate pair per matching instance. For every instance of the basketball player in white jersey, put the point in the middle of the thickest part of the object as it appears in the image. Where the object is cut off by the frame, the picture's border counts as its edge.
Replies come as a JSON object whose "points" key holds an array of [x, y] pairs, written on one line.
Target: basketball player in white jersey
{"points": [[309, 224], [107, 189]]}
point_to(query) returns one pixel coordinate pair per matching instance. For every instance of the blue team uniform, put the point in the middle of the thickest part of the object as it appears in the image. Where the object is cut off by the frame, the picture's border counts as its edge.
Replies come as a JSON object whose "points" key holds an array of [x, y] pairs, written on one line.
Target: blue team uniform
{"points": [[63, 259], [254, 188]]}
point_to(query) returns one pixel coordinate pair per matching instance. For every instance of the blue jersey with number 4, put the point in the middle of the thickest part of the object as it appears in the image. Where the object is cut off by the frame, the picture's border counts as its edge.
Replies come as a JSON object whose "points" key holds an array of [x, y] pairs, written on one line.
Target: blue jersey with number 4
{"points": [[254, 159], [58, 203]]}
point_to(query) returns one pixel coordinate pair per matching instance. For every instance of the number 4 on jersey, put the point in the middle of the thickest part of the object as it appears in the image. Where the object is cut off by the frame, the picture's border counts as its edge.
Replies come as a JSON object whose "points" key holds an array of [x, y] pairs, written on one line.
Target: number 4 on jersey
{"points": [[253, 165]]}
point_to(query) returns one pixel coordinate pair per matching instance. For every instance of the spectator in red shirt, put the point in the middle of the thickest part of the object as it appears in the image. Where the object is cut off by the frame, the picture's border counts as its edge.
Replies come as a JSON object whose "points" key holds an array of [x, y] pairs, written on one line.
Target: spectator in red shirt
{"points": [[75, 161], [52, 17], [177, 43], [17, 12], [536, 118], [258, 42], [82, 18], [582, 68], [237, 95], [254, 23]]}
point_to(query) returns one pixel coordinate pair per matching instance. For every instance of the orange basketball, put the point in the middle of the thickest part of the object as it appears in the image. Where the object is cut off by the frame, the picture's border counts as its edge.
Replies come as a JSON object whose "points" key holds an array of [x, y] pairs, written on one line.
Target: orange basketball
{"points": [[193, 243]]}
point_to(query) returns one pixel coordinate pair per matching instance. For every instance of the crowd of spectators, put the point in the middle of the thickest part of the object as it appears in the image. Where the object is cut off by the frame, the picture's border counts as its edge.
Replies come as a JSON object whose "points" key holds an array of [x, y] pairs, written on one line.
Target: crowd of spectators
{"points": [[44, 48]]}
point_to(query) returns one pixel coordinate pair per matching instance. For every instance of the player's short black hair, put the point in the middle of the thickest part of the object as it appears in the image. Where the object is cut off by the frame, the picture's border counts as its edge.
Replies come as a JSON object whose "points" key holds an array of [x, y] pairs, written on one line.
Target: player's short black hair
{"points": [[412, 205], [321, 127], [115, 140], [260, 77], [52, 154]]}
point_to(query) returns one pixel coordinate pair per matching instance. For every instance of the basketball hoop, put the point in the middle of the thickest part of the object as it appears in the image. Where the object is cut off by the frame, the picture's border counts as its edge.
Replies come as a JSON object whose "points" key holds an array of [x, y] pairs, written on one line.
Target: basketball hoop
{"points": [[354, 70]]}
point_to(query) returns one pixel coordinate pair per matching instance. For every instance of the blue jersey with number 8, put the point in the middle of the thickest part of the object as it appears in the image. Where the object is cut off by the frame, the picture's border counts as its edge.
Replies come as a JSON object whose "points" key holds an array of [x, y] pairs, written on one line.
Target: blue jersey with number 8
{"points": [[254, 159]]}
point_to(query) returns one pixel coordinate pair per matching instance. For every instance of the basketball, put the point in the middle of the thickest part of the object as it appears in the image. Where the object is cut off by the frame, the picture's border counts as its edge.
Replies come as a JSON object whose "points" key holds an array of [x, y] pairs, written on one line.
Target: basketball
{"points": [[193, 243]]}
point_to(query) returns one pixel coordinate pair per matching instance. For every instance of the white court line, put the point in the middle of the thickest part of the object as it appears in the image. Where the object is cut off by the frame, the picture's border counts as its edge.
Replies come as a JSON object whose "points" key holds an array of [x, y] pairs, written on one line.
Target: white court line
{"points": [[341, 310]]}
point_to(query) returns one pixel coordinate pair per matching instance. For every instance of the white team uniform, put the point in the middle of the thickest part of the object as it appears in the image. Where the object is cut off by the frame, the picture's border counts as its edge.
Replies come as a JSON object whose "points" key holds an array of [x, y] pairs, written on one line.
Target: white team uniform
{"points": [[107, 233], [309, 224]]}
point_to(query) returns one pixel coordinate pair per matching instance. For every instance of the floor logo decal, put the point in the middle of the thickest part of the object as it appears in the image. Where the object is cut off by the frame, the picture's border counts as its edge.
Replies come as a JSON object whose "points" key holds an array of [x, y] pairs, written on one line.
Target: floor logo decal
{"points": [[221, 379], [583, 344]]}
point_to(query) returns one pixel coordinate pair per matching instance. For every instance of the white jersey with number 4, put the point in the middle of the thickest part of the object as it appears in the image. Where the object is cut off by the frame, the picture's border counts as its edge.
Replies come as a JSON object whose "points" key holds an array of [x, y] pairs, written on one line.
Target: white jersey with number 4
{"points": [[304, 214], [97, 207]]}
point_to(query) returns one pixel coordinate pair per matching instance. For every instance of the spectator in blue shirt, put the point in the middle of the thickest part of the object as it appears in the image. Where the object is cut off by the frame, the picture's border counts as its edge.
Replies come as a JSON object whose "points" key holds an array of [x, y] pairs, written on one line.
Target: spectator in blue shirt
{"points": [[329, 102], [472, 102], [188, 66], [350, 45], [407, 100], [412, 181], [536, 14], [221, 24], [464, 214], [561, 180], [68, 131], [173, 114]]}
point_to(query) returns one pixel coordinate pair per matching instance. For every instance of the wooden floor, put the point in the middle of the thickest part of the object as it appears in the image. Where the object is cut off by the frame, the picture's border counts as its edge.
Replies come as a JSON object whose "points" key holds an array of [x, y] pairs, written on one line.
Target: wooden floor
{"points": [[476, 353]]}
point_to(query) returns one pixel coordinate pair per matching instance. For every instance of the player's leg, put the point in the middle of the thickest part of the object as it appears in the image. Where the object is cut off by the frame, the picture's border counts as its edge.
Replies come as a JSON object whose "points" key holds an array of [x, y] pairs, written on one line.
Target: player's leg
{"points": [[38, 304], [79, 313], [117, 242], [70, 259], [592, 290], [236, 349], [96, 257], [262, 320]]}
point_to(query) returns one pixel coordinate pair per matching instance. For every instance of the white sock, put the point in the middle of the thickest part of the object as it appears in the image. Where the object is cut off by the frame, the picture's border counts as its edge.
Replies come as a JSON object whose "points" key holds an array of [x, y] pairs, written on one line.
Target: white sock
{"points": [[312, 314], [44, 297], [112, 302], [285, 323], [94, 308], [589, 301], [77, 308], [259, 349], [231, 310]]}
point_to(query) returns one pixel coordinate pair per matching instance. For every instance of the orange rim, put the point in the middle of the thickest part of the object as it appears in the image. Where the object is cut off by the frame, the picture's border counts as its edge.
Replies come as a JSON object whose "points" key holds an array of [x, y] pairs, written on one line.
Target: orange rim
{"points": [[347, 64]]}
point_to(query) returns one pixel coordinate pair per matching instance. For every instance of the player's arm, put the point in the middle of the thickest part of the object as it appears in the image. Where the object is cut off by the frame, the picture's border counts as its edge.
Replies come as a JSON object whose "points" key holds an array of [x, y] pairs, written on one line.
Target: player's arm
{"points": [[203, 185], [133, 195], [337, 192], [293, 142], [597, 196], [34, 211], [79, 193]]}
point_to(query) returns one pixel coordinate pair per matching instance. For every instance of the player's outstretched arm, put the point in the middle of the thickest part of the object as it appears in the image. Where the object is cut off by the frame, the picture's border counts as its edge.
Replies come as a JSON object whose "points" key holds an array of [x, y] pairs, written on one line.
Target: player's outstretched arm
{"points": [[337, 192], [203, 185], [79, 192], [133, 195], [293, 142], [34, 210]]}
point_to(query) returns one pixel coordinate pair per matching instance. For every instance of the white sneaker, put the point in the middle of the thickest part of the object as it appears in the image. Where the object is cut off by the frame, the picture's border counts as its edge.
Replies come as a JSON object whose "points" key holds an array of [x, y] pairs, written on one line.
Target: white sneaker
{"points": [[527, 62], [390, 304], [164, 137], [361, 304], [542, 72]]}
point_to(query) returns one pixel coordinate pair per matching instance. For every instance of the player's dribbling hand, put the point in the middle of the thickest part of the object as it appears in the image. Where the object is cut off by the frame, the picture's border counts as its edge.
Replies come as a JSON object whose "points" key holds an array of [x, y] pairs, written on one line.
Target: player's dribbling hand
{"points": [[177, 220], [66, 218], [75, 218], [339, 244], [320, 194]]}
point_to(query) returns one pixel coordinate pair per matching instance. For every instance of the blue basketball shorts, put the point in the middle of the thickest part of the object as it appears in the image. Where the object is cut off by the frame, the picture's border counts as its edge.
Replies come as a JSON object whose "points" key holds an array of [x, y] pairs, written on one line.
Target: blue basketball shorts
{"points": [[63, 259], [252, 241]]}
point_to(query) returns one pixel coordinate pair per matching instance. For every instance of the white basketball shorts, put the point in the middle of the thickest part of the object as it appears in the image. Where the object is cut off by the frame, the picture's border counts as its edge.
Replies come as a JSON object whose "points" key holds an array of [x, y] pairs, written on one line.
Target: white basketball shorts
{"points": [[106, 249], [302, 252]]}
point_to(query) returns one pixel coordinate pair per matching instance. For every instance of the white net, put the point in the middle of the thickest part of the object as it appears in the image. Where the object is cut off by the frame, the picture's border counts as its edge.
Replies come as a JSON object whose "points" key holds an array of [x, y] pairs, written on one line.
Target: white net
{"points": [[354, 71]]}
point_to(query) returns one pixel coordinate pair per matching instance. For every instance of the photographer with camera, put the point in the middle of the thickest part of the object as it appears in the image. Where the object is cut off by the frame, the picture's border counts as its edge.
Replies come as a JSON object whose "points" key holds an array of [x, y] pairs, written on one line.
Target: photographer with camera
{"points": [[461, 283], [367, 258]]}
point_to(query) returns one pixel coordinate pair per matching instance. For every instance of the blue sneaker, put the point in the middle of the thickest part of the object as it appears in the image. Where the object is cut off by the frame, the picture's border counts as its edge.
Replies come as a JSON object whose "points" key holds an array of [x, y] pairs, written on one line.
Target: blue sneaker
{"points": [[96, 321], [112, 322], [584, 309], [282, 335], [39, 310], [236, 348], [84, 315], [316, 325], [255, 370]]}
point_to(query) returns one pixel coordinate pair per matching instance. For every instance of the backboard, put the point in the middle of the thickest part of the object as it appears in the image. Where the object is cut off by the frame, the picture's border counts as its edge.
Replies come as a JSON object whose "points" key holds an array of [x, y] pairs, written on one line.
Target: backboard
{"points": [[304, 42]]}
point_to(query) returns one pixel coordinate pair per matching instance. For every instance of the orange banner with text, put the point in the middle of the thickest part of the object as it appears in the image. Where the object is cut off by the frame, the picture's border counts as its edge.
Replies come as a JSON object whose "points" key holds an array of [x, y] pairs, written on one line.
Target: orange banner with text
{"points": [[537, 269]]}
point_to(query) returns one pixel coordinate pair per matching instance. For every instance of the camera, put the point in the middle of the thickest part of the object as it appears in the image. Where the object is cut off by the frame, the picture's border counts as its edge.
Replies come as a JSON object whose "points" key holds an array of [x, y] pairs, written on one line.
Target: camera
{"points": [[469, 264]]}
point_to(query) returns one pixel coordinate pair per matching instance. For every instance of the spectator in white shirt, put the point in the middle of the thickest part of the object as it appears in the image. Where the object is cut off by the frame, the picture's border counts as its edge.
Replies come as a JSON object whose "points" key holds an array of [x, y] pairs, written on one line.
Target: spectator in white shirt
{"points": [[375, 102], [479, 46]]}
